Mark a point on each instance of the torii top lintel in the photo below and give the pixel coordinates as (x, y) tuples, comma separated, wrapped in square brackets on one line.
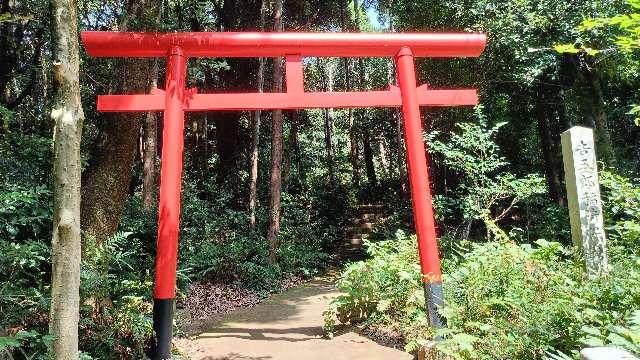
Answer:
[(272, 44), (293, 46)]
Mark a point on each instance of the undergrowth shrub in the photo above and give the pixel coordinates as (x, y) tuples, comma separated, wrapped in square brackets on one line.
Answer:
[(217, 242), (385, 289), (115, 293), (503, 300), (116, 282), (509, 301), (621, 202)]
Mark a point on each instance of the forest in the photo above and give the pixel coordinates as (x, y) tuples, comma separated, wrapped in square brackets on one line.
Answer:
[(270, 198)]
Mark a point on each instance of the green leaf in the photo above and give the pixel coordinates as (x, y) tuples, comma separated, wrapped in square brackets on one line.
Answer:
[(465, 341)]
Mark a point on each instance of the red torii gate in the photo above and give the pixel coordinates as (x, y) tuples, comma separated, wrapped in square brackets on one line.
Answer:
[(176, 99)]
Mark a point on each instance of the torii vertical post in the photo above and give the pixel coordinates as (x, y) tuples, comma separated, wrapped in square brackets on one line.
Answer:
[(175, 100), (164, 292), (420, 189)]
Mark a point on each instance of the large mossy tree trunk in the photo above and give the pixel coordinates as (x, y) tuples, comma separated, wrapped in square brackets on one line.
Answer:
[(106, 180), (276, 149), (68, 117)]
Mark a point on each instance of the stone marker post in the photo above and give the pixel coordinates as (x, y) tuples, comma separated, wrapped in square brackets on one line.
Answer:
[(606, 353), (583, 194)]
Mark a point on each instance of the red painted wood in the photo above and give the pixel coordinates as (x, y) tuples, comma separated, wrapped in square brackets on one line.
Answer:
[(260, 44), (418, 169), (287, 101), (294, 74), (170, 176)]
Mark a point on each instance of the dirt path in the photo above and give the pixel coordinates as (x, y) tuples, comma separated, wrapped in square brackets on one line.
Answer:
[(286, 326)]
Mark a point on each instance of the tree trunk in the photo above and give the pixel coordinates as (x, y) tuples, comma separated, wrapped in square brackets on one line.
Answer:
[(255, 132), (354, 155), (276, 148), (68, 117), (227, 123), (11, 36), (551, 165), (227, 132), (599, 114), (466, 230), (368, 159), (402, 171), (353, 140), (368, 152), (150, 131), (397, 118), (150, 150), (384, 158), (326, 76), (593, 101), (107, 179), (291, 155)]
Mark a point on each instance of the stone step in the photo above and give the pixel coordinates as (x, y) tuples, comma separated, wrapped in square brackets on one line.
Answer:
[(370, 216), (359, 230), (357, 235), (361, 223), (375, 209), (369, 206), (354, 241), (367, 218)]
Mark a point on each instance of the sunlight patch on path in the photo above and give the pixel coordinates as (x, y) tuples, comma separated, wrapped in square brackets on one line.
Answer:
[(286, 326)]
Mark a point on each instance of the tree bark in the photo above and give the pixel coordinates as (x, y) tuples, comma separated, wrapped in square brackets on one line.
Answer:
[(397, 118), (255, 132), (227, 123), (368, 159), (598, 111), (11, 36), (593, 101), (551, 165), (291, 156), (368, 152), (149, 151), (353, 140), (150, 148), (276, 148), (402, 171), (326, 75), (227, 133), (68, 117), (384, 158), (107, 179)]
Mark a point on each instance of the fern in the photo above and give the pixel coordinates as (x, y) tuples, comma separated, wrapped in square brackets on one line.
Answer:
[(627, 338)]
